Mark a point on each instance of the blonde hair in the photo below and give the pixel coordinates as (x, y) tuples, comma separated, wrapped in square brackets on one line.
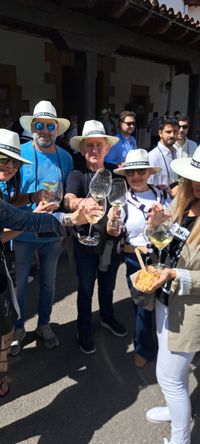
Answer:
[(185, 197)]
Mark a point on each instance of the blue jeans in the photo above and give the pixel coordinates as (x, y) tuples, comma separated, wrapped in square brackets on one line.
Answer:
[(49, 253), (87, 270), (143, 341)]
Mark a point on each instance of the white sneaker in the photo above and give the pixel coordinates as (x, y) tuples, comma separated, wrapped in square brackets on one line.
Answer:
[(19, 335), (158, 414)]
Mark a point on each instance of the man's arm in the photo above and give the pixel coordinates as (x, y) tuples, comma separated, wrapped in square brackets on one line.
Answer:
[(25, 199), (72, 202)]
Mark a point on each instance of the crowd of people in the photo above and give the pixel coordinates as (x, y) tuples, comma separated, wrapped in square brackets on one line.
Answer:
[(168, 176)]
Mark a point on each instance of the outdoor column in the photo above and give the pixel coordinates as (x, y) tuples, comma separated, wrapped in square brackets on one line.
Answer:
[(85, 84)]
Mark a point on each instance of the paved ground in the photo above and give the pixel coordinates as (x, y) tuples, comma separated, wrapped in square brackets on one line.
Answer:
[(64, 397)]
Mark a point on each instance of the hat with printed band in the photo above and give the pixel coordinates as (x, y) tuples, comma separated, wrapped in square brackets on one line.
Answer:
[(188, 167), (136, 160), (10, 145), (45, 110), (92, 128)]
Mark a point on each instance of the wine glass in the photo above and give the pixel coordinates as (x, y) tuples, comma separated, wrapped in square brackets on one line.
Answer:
[(52, 184), (100, 184), (117, 197), (160, 235), (93, 217)]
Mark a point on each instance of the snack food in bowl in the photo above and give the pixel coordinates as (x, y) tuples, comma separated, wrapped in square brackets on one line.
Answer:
[(145, 279)]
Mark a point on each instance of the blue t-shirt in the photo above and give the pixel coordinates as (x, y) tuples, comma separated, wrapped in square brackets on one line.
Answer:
[(118, 152), (49, 167)]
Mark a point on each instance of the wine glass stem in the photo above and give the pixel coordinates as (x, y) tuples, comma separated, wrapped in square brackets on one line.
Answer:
[(90, 231), (159, 257)]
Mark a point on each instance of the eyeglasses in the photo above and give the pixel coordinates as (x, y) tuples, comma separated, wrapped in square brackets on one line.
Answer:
[(183, 126), (141, 172), (39, 126), (5, 160), (132, 123)]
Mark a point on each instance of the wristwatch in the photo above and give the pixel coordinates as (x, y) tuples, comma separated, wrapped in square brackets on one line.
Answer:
[(68, 221)]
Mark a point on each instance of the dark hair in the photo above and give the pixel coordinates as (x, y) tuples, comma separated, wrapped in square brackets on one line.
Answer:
[(167, 120), (13, 186), (184, 118), (125, 114), (155, 114)]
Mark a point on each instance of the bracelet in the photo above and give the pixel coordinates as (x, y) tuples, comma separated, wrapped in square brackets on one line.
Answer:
[(30, 198), (68, 222)]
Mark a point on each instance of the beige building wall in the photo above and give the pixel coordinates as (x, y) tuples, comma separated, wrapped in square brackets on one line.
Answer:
[(24, 56), (133, 73)]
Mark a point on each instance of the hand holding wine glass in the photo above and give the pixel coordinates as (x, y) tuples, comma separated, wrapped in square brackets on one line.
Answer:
[(52, 186), (94, 211), (159, 230), (117, 199)]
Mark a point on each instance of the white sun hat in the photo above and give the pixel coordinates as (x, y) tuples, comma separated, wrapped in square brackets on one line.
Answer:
[(45, 110), (136, 160), (10, 145), (188, 167), (92, 128)]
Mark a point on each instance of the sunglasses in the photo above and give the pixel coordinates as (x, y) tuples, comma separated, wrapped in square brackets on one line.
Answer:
[(5, 160), (141, 172), (39, 126), (129, 123), (183, 126)]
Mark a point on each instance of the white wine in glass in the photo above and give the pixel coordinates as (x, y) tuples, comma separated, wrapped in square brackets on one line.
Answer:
[(160, 237), (117, 197), (93, 218), (100, 184)]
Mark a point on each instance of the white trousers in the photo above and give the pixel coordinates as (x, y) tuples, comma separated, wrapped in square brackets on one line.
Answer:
[(172, 372)]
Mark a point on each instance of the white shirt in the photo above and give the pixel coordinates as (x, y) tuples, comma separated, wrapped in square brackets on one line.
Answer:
[(161, 156), (136, 218), (185, 150)]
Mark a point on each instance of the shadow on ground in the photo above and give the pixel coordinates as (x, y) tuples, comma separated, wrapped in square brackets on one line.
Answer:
[(103, 385)]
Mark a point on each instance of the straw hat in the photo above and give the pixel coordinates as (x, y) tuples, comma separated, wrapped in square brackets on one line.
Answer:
[(188, 167), (45, 110), (10, 145), (136, 160), (92, 128)]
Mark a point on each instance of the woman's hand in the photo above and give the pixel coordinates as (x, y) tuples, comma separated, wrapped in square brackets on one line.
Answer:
[(167, 274), (156, 215), (114, 222)]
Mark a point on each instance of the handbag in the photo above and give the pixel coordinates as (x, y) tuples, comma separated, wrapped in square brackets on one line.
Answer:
[(8, 314), (8, 306)]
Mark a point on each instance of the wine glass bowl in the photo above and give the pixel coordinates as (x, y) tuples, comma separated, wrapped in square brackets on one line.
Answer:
[(100, 184), (52, 192), (117, 197), (93, 217), (160, 236)]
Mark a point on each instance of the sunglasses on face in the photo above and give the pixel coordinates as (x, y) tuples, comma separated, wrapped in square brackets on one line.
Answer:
[(5, 160), (183, 127), (39, 126), (132, 123), (141, 172)]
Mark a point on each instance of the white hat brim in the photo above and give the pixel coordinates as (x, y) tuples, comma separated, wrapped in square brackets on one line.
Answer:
[(122, 171), (63, 124), (184, 169), (14, 156), (76, 140)]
